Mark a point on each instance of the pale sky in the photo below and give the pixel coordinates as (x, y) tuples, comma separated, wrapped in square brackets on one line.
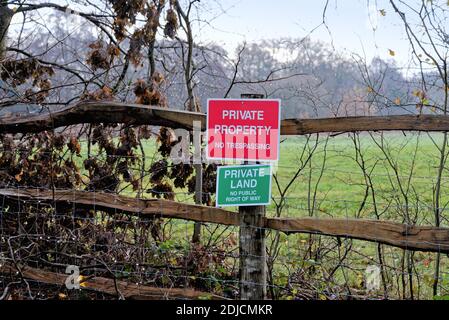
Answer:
[(350, 23)]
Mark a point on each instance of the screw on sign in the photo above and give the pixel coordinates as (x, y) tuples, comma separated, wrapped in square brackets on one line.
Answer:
[(243, 129)]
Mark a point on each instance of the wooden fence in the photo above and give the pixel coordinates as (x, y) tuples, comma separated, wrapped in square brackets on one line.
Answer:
[(395, 234), (410, 237), (133, 114)]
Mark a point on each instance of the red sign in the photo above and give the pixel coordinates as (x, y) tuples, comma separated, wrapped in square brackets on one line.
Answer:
[(243, 129)]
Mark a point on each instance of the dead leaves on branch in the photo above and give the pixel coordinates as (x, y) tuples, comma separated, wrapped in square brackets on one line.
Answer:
[(127, 13), (209, 183), (102, 55), (120, 159), (74, 146), (36, 161), (150, 93), (171, 25), (19, 72), (165, 176), (127, 10), (103, 94)]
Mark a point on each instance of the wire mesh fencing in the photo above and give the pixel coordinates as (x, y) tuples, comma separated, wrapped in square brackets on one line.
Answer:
[(74, 224)]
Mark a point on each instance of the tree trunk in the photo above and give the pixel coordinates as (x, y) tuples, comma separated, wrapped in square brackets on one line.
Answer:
[(5, 19)]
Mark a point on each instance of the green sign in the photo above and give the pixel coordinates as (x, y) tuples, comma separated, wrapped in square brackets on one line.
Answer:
[(247, 185)]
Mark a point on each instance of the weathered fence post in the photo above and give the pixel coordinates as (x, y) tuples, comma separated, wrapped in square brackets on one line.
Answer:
[(198, 165), (198, 200), (253, 264), (252, 250)]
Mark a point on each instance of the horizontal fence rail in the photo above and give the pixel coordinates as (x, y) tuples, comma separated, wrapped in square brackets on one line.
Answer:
[(134, 114), (411, 237), (408, 237), (368, 123), (114, 287), (99, 112)]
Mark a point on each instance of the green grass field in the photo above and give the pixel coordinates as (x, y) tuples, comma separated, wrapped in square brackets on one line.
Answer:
[(335, 181), (332, 184), (338, 183)]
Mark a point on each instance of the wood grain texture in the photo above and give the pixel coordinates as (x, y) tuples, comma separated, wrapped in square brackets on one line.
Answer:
[(110, 286), (99, 112), (253, 253), (134, 114), (112, 203), (375, 123), (420, 238)]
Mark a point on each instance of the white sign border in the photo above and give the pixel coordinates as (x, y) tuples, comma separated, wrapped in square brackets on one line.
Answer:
[(242, 159), (243, 204)]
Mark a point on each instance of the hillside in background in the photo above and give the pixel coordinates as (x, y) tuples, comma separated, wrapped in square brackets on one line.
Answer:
[(310, 78)]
